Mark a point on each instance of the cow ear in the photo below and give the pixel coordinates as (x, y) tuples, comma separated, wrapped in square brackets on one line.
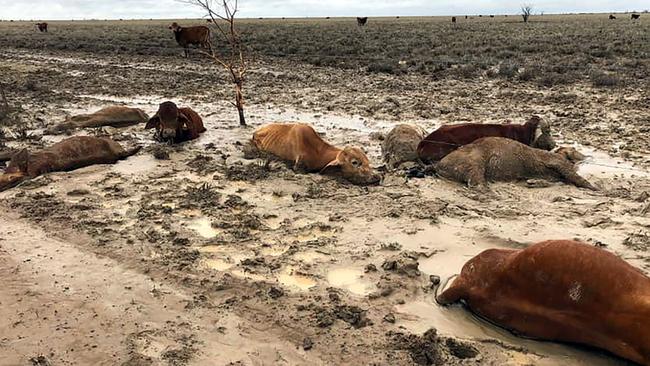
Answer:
[(21, 160), (152, 123), (333, 166)]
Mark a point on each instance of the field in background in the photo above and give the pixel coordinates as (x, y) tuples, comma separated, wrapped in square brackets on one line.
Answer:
[(550, 50)]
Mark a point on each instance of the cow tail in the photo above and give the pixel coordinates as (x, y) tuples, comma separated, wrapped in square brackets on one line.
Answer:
[(437, 287)]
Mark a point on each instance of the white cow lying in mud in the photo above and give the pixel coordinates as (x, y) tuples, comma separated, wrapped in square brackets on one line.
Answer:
[(113, 116), (300, 144), (502, 159)]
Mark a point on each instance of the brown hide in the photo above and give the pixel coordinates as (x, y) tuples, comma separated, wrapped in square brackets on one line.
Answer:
[(502, 159), (176, 124), (73, 153), (300, 144), (186, 36), (448, 138), (560, 291), (113, 116)]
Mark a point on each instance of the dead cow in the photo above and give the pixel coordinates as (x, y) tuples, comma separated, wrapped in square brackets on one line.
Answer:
[(502, 159), (70, 154), (176, 124), (186, 36), (300, 144), (439, 143), (113, 116), (42, 27), (563, 291), (400, 145)]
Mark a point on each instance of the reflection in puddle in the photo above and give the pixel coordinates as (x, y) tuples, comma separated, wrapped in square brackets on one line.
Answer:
[(135, 165), (290, 279), (349, 279), (203, 227)]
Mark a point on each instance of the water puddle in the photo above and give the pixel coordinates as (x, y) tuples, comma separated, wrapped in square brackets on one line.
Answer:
[(248, 275), (137, 164), (419, 316), (309, 256), (350, 279), (273, 250), (290, 278), (218, 264), (203, 226), (602, 165)]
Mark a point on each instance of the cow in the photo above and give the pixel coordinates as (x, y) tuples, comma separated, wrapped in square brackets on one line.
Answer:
[(453, 20), (113, 116), (560, 290), (503, 159), (186, 36), (176, 124), (69, 154), (635, 16), (300, 144), (362, 21), (400, 145), (439, 143), (612, 17), (42, 27)]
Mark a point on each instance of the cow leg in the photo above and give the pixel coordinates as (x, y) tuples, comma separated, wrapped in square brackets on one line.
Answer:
[(186, 52), (568, 174), (297, 165)]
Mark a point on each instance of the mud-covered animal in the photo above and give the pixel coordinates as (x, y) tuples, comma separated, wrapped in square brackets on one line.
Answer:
[(502, 159), (176, 124), (560, 290), (571, 154), (300, 144), (535, 132), (41, 27), (185, 36), (400, 145), (362, 21), (69, 154), (113, 116)]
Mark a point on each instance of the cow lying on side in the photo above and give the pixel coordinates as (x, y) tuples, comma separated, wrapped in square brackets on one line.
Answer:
[(400, 145), (502, 159), (439, 143), (176, 124), (563, 291), (300, 144), (113, 116), (186, 36), (70, 154)]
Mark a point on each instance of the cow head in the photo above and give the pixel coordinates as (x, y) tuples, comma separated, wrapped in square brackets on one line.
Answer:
[(571, 154), (542, 138), (16, 172), (175, 27), (168, 121), (352, 164)]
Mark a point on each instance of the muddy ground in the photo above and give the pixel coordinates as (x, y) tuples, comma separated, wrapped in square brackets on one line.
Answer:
[(193, 255)]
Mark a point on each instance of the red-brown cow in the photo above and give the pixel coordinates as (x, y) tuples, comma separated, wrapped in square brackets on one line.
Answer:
[(41, 27), (186, 36), (70, 154), (176, 124), (299, 143), (563, 291), (439, 143)]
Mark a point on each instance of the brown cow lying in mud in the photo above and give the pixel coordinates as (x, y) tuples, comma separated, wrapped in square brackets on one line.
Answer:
[(176, 124), (69, 154), (113, 116), (439, 143), (502, 159), (300, 144), (563, 291), (400, 145)]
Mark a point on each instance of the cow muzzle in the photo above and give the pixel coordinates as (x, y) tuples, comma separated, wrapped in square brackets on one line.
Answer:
[(167, 133)]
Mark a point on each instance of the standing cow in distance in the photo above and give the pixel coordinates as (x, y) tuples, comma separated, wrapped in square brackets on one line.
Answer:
[(362, 21), (612, 17), (635, 16), (42, 27), (186, 36), (453, 20)]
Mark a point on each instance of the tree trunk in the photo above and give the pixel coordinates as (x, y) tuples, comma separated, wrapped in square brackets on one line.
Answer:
[(239, 102)]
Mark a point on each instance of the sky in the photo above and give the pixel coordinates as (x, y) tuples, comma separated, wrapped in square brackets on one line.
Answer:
[(166, 9)]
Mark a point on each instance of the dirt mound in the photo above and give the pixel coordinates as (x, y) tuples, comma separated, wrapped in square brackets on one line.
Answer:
[(430, 349)]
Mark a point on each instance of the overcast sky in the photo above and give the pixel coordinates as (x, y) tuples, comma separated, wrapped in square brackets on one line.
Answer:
[(89, 9)]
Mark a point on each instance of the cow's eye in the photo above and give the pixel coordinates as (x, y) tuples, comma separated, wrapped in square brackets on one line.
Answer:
[(356, 163)]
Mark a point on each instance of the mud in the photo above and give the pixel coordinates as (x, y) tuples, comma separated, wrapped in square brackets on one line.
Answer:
[(192, 254)]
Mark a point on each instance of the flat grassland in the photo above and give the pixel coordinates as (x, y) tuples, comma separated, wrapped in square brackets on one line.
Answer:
[(209, 258)]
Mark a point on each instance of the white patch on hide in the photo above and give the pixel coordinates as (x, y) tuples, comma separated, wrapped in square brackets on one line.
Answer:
[(575, 292)]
